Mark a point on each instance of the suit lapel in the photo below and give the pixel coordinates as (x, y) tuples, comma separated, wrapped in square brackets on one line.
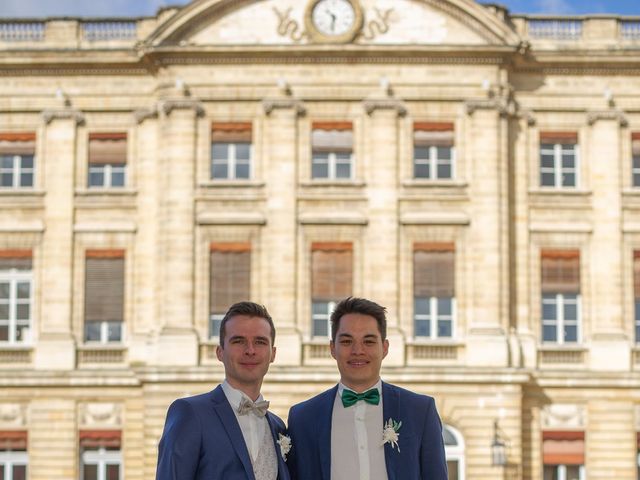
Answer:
[(390, 409), (231, 426), (282, 467), (324, 431)]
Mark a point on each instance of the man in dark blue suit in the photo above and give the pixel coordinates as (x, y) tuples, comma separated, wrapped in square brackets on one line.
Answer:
[(364, 428), (228, 433)]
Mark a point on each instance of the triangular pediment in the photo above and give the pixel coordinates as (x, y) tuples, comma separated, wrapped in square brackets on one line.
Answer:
[(287, 22)]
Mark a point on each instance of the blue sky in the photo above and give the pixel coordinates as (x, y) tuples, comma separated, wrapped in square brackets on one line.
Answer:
[(103, 8)]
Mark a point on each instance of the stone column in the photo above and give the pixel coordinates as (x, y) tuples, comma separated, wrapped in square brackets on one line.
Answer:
[(382, 236), (279, 237), (609, 344), (55, 347), (178, 342), (488, 236)]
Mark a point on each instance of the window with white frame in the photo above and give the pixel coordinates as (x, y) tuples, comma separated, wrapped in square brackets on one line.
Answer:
[(229, 280), (332, 150), (16, 297), (14, 458), (433, 151), (17, 160), (107, 160), (434, 302), (563, 455), (635, 159), (559, 160), (231, 151), (331, 281), (104, 296), (560, 294), (454, 451), (100, 456)]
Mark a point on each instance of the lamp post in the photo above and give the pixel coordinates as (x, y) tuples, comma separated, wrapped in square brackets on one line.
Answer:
[(498, 448)]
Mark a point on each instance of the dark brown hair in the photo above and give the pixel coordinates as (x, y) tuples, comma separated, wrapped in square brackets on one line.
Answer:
[(248, 309), (363, 307)]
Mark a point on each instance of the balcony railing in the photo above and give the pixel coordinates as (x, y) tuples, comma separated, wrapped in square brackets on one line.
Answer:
[(22, 31), (104, 31), (630, 30), (555, 29)]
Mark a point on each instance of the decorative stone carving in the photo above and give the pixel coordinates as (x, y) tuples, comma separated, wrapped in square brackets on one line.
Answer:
[(99, 414), (563, 416), (288, 27), (168, 106), (13, 415), (144, 114), (593, 117), (269, 105), (384, 104), (377, 26), (49, 115)]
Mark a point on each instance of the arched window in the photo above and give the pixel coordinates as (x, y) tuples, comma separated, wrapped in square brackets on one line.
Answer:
[(454, 449)]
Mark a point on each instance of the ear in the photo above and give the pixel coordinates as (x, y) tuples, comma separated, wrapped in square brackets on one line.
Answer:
[(219, 352), (332, 347), (273, 354), (385, 347)]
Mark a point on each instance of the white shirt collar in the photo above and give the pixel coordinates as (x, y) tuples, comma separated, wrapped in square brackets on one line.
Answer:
[(235, 396), (342, 386)]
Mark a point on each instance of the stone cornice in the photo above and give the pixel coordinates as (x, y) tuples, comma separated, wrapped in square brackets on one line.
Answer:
[(372, 105), (49, 115), (502, 106), (144, 114), (617, 115), (270, 104), (167, 106)]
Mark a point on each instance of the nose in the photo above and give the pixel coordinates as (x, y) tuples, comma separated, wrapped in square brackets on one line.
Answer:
[(358, 348), (250, 350)]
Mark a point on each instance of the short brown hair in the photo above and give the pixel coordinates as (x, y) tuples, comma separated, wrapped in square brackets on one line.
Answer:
[(248, 309), (363, 307)]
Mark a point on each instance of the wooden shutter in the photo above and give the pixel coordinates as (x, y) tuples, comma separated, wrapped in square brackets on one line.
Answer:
[(332, 137), (231, 132), (427, 134), (331, 271), (100, 438), (563, 448), (433, 270), (568, 138), (635, 143), (560, 271), (104, 285), (108, 148), (229, 275), (13, 440), (19, 259), (17, 143)]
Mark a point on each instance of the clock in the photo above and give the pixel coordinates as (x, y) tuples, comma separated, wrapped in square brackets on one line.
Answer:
[(333, 21)]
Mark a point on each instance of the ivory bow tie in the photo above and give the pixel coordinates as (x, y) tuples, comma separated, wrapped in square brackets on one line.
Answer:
[(258, 408)]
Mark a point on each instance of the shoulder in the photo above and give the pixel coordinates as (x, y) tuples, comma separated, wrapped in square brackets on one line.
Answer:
[(191, 405), (314, 403)]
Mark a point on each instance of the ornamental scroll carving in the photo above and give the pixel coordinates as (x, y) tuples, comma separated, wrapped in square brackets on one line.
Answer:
[(563, 417), (99, 414), (13, 415)]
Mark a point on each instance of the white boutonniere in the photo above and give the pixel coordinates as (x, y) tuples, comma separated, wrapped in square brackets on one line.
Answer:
[(390, 433), (285, 445)]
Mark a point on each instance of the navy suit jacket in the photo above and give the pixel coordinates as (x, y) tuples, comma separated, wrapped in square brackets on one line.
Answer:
[(202, 440), (421, 455)]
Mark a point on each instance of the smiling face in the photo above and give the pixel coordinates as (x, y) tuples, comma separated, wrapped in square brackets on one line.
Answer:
[(359, 349), (246, 353)]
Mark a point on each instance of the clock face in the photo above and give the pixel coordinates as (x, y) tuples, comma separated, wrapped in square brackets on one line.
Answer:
[(333, 17)]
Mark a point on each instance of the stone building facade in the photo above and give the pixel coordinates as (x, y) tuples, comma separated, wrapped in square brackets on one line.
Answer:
[(476, 172)]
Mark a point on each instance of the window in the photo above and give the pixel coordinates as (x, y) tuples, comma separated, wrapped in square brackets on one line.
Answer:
[(434, 302), (560, 287), (100, 455), (559, 159), (13, 455), (231, 151), (17, 160), (454, 451), (331, 281), (563, 455), (636, 293), (16, 292), (433, 150), (107, 160), (635, 158), (229, 280), (332, 150), (104, 296)]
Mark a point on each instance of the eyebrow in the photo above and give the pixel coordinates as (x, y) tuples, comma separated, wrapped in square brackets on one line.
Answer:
[(241, 337), (348, 335)]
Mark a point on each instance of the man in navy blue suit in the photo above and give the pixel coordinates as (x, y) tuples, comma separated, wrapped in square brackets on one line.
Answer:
[(364, 428), (228, 433)]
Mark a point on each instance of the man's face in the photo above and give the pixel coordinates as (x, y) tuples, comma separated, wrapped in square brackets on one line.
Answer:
[(247, 352), (359, 349)]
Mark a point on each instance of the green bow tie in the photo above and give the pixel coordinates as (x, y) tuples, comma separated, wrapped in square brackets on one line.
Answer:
[(350, 398)]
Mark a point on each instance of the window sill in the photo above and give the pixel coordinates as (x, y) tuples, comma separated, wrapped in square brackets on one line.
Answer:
[(99, 191), (433, 351), (551, 191), (435, 183), (232, 184), (21, 192), (321, 183), (563, 356), (15, 353), (91, 353)]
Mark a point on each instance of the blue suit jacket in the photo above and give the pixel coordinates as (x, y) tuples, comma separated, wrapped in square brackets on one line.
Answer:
[(421, 455), (202, 440)]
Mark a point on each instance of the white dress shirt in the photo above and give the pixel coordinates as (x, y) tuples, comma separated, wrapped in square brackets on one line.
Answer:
[(357, 452), (253, 427)]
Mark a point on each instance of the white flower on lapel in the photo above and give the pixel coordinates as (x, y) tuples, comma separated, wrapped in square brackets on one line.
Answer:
[(285, 445), (390, 433)]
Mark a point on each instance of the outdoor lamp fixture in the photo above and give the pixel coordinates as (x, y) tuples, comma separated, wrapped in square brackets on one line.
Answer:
[(498, 448)]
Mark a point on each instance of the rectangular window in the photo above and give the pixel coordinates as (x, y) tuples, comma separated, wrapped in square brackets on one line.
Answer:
[(107, 160), (332, 150), (229, 280), (16, 293), (635, 158), (636, 293), (560, 292), (100, 455), (434, 301), (433, 150), (17, 160), (563, 455), (104, 296), (231, 151), (331, 281), (13, 455), (559, 159)]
